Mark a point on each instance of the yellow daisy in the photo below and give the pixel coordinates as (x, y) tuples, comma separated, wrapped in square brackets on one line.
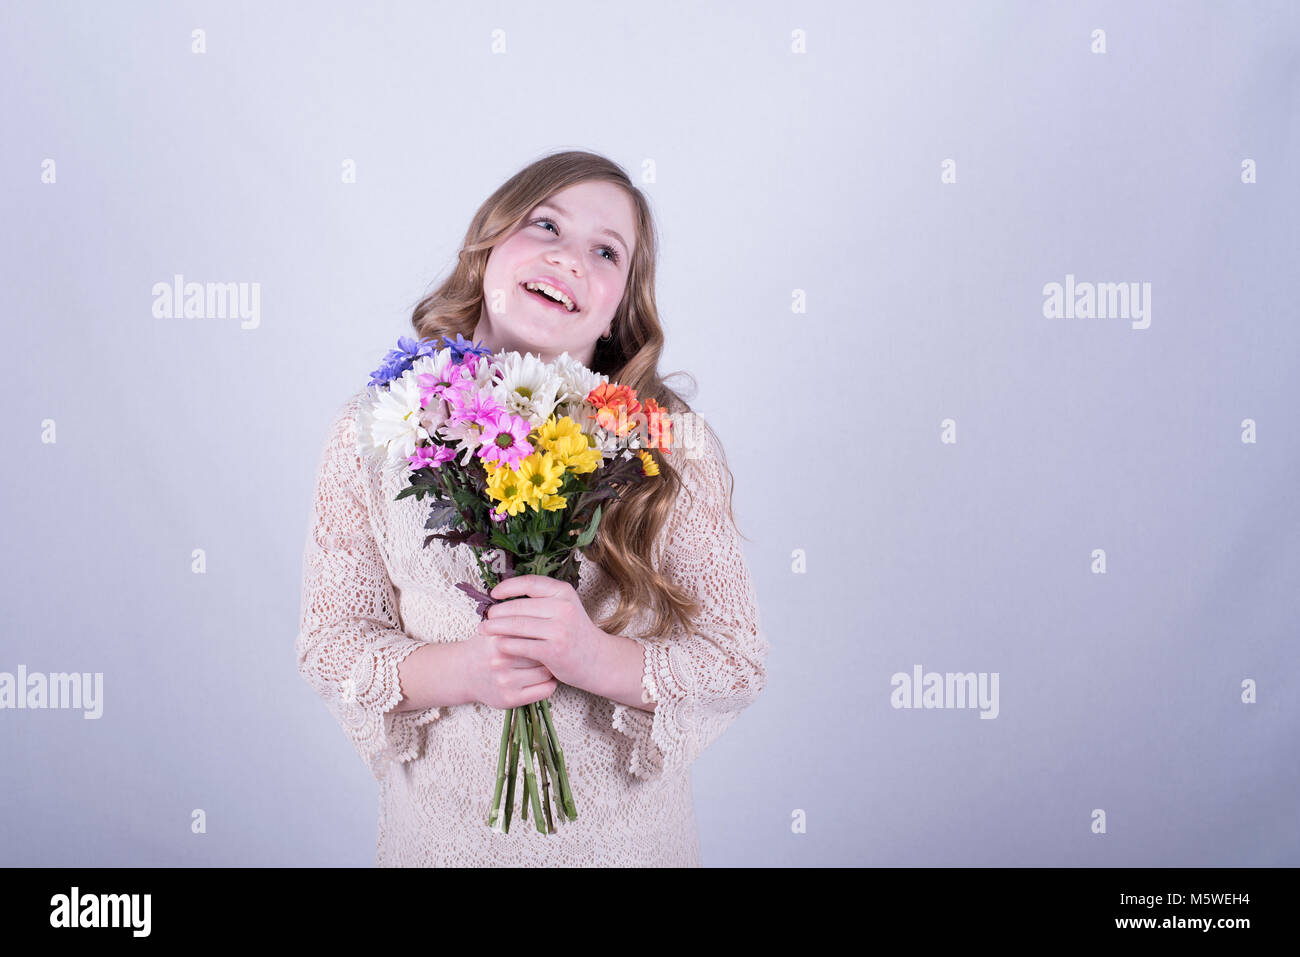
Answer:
[(648, 465), (541, 474), (505, 486), (554, 429), (576, 455)]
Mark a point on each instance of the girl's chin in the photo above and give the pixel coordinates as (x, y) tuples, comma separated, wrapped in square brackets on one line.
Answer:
[(543, 328), (535, 339)]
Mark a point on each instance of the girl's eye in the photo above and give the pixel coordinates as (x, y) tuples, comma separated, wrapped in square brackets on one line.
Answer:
[(613, 253)]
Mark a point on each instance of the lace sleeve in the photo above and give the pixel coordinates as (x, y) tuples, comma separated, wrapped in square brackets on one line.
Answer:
[(350, 640), (702, 680)]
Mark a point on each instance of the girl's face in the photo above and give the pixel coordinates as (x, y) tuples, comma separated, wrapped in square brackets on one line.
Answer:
[(579, 242)]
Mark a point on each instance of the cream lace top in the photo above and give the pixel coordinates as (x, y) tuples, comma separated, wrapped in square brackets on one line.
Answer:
[(372, 594)]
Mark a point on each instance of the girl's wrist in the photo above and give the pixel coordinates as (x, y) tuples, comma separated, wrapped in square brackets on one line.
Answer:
[(432, 677), (620, 667)]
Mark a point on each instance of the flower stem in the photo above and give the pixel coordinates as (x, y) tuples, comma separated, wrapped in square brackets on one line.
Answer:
[(541, 748), (530, 775), (501, 770), (566, 794), (548, 758), (514, 766)]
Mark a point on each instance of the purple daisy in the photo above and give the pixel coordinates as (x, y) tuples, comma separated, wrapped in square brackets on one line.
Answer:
[(505, 440), (430, 456), (467, 403)]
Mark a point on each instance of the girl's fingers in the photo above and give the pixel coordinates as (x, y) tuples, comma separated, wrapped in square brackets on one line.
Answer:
[(525, 648), (515, 625), (518, 661), (534, 676), (548, 686), (526, 607)]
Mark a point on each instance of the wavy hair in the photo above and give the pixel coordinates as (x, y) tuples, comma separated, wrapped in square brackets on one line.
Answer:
[(630, 527)]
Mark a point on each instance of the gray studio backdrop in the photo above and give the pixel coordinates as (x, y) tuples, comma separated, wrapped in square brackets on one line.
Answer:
[(863, 211)]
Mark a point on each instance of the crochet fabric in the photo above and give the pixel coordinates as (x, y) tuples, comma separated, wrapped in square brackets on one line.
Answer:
[(372, 594)]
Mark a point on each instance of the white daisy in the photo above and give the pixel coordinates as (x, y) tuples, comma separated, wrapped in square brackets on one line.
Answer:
[(440, 367), (436, 365), (486, 372), (575, 378), (528, 387), (388, 422), (609, 443), (466, 436)]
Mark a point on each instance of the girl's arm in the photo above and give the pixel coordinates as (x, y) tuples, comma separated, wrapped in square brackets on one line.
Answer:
[(622, 667), (431, 677), (700, 679), (350, 647)]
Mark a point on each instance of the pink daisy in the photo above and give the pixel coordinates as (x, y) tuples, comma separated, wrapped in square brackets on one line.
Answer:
[(467, 403), (427, 456), (431, 386), (505, 439)]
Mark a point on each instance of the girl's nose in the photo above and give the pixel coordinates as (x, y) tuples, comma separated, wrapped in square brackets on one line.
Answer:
[(567, 258)]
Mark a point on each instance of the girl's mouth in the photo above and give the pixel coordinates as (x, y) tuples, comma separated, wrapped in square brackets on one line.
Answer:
[(547, 300)]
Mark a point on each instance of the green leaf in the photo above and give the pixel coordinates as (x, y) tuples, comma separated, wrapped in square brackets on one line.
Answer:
[(466, 500), (589, 534), (592, 496), (440, 515)]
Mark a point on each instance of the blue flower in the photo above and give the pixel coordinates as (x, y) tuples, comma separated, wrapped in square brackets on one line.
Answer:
[(463, 347), (398, 360)]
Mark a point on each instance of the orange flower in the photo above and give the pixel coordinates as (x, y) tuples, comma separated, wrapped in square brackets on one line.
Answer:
[(615, 405), (659, 426)]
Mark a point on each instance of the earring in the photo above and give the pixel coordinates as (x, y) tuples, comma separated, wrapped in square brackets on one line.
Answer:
[(607, 336)]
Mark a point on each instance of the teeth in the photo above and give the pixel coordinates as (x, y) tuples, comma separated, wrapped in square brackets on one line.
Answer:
[(552, 293)]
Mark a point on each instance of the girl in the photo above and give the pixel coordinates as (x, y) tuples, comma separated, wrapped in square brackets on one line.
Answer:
[(645, 663)]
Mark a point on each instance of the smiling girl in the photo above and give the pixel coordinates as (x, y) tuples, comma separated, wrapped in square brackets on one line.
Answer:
[(646, 663)]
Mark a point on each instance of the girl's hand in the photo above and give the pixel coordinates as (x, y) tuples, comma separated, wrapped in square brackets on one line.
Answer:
[(550, 626), (499, 679)]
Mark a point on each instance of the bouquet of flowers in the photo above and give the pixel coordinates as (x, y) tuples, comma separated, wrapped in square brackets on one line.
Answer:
[(519, 456)]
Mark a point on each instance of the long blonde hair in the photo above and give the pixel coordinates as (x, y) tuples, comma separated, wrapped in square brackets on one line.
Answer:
[(628, 530)]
